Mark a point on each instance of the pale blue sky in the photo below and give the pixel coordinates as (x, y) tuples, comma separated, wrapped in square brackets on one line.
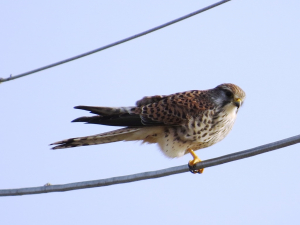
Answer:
[(254, 44)]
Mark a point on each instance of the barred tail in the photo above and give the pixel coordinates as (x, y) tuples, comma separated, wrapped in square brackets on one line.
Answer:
[(107, 137)]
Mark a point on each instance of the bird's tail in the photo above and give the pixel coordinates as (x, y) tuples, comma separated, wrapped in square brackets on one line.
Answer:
[(124, 134)]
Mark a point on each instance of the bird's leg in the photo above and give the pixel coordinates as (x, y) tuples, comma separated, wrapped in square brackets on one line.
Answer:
[(194, 161)]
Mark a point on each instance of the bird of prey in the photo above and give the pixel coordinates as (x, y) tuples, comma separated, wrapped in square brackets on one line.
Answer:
[(179, 123)]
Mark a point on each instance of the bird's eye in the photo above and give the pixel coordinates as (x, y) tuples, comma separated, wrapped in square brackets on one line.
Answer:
[(229, 94)]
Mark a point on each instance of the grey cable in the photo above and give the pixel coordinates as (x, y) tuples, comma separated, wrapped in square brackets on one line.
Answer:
[(112, 44), (152, 174)]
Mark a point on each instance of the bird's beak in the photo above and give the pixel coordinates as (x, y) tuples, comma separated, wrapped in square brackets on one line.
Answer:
[(237, 102)]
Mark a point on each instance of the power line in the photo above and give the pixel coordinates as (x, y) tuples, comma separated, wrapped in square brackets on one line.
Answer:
[(152, 174), (113, 44)]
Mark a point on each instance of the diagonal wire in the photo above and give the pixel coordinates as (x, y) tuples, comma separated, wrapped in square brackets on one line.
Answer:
[(113, 44), (152, 174)]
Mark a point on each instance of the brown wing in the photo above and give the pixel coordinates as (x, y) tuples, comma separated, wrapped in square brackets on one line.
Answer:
[(173, 109), (158, 110)]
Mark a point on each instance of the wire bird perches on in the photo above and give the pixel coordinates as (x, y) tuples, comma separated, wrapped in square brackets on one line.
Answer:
[(152, 174), (113, 44)]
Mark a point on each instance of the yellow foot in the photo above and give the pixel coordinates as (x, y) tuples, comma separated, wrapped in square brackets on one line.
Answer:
[(192, 163)]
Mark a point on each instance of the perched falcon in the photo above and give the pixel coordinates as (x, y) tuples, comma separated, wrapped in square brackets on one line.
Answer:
[(179, 123)]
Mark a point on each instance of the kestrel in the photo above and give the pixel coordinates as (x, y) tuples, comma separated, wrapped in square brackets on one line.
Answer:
[(179, 123)]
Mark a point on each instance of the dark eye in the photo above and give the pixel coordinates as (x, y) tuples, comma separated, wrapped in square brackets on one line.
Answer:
[(229, 94)]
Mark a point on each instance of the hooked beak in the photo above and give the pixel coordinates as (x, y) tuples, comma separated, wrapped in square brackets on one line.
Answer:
[(237, 102)]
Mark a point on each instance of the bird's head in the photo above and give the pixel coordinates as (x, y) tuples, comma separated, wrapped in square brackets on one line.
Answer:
[(229, 95)]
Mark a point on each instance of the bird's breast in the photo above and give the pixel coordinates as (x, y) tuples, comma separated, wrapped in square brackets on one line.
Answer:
[(209, 128)]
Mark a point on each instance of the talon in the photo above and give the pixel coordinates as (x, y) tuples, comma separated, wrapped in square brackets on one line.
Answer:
[(192, 163)]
